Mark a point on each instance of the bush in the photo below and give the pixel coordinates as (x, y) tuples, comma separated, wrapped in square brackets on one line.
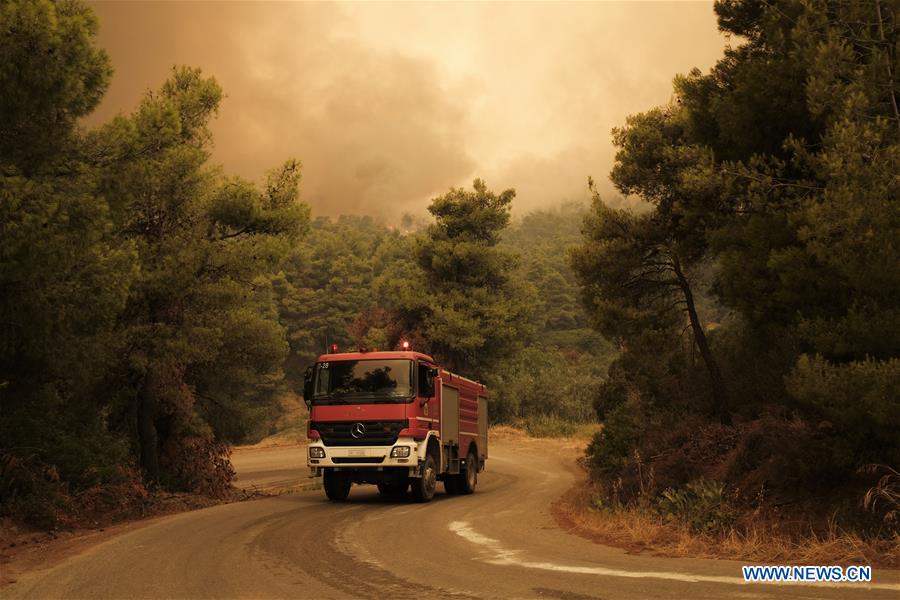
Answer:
[(860, 399), (32, 491), (609, 450), (549, 426), (642, 451), (197, 463), (884, 497), (701, 505)]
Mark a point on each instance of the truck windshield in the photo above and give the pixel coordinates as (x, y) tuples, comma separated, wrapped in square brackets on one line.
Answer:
[(347, 381)]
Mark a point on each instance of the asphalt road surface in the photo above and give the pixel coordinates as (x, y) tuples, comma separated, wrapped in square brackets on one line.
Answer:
[(501, 542)]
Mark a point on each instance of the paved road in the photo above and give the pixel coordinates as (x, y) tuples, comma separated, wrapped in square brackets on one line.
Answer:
[(501, 542), (273, 469)]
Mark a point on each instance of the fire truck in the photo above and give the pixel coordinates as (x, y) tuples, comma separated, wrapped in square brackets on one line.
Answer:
[(396, 420)]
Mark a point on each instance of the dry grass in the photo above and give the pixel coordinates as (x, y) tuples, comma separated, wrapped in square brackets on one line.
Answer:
[(763, 541), (506, 432), (583, 432)]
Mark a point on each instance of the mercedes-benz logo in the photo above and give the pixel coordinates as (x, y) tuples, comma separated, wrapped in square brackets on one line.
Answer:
[(358, 430)]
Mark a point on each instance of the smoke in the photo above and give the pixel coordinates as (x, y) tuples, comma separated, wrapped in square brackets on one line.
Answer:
[(388, 105)]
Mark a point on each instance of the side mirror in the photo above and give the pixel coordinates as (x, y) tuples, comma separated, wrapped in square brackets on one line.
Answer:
[(427, 391), (308, 387)]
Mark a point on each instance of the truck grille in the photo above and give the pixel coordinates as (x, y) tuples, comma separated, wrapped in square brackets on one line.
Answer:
[(359, 460), (377, 433)]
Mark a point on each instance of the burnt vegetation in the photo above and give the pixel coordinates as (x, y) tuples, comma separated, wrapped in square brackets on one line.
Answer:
[(734, 324)]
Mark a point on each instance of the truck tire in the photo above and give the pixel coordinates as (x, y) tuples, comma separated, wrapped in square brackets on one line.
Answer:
[(337, 485), (393, 490), (450, 485), (468, 479), (423, 487)]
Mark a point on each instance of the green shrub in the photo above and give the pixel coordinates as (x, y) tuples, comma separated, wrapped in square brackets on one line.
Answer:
[(860, 399), (549, 426), (701, 505), (612, 445)]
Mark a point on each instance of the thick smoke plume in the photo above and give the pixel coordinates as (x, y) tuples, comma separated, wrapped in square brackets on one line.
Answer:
[(387, 105)]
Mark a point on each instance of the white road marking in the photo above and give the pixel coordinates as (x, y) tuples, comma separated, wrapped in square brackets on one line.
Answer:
[(506, 557)]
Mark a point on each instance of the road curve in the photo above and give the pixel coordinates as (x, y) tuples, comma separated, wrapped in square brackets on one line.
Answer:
[(501, 542)]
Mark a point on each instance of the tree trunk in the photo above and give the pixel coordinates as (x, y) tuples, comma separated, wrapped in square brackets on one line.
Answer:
[(890, 69), (146, 426), (720, 395)]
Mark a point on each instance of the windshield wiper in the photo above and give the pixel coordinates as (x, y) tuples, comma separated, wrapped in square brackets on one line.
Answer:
[(328, 400), (390, 399), (373, 398), (342, 398)]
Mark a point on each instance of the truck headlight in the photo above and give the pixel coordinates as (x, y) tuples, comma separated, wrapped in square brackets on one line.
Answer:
[(316, 452), (400, 452)]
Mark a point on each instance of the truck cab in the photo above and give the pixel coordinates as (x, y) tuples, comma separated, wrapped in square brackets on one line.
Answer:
[(396, 420)]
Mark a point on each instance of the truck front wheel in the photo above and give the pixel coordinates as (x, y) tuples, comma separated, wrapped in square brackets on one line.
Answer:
[(423, 487), (337, 485)]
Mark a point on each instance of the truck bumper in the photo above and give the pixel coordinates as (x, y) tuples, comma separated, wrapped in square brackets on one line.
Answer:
[(376, 458)]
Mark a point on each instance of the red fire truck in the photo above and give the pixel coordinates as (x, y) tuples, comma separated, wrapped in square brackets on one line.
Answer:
[(396, 420)]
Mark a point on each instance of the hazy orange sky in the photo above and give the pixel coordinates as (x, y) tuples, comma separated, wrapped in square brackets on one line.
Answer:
[(389, 104)]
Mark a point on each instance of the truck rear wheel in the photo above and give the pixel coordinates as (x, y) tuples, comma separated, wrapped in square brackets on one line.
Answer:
[(466, 482), (337, 485), (423, 487), (450, 487)]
